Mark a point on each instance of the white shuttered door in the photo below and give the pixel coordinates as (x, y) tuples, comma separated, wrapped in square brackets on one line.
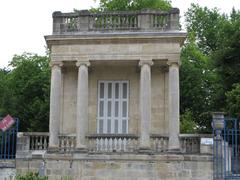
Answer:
[(112, 107)]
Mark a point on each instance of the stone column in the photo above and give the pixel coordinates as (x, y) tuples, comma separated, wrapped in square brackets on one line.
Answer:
[(145, 104), (82, 105), (55, 105), (173, 106)]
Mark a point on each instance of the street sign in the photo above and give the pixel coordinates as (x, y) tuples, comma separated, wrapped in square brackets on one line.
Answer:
[(6, 123), (207, 141)]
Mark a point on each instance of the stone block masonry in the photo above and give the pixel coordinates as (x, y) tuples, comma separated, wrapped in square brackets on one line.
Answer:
[(7, 170), (121, 166)]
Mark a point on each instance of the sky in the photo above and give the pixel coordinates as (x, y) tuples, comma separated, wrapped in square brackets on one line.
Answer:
[(24, 23)]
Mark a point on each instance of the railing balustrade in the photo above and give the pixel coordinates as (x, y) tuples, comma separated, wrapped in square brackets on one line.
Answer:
[(118, 21), (190, 143), (67, 143), (159, 143), (144, 20), (112, 143), (38, 140)]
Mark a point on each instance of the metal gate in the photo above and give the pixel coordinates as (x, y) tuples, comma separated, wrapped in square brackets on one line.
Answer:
[(8, 141), (226, 161)]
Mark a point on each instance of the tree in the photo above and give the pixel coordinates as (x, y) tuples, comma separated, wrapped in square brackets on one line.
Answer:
[(204, 24), (187, 124), (227, 56), (199, 81), (26, 91), (128, 5), (197, 85), (233, 101), (210, 63), (4, 102)]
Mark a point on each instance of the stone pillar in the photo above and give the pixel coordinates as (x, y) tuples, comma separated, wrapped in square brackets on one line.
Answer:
[(145, 104), (219, 147), (82, 105), (173, 107), (55, 105)]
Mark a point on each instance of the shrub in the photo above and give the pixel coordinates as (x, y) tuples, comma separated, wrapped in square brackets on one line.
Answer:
[(31, 176), (187, 124)]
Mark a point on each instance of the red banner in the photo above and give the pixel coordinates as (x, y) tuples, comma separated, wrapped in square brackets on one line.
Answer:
[(6, 123)]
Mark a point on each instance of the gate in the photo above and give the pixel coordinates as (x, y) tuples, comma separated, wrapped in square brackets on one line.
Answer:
[(226, 161), (8, 141)]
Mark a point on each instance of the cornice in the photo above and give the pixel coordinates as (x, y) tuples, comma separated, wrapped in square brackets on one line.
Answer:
[(116, 38)]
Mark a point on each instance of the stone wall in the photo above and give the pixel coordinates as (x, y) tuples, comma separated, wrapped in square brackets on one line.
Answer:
[(112, 71), (7, 170), (119, 167), (7, 173)]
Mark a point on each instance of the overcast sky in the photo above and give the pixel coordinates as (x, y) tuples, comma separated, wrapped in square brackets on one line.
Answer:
[(24, 23)]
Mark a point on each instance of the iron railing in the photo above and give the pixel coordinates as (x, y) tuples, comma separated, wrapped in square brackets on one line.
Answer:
[(8, 141), (226, 155)]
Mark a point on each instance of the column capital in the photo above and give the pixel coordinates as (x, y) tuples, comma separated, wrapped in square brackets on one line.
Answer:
[(84, 63), (147, 62), (173, 63), (56, 64)]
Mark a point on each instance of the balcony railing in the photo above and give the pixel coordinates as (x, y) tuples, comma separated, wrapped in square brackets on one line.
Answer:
[(159, 143), (67, 143), (144, 20), (110, 143)]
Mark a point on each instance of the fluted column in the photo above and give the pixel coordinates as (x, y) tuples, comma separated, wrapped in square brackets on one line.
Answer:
[(145, 104), (173, 108), (82, 104), (55, 104)]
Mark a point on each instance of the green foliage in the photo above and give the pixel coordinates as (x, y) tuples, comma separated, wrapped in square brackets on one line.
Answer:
[(30, 176), (204, 24), (128, 5), (210, 63), (197, 84), (227, 56), (187, 124), (26, 91), (233, 101)]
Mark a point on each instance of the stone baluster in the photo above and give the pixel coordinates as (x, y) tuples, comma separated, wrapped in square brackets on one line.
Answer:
[(173, 109), (40, 142), (60, 143), (55, 105), (71, 143), (82, 105), (145, 104), (66, 144), (45, 142), (114, 144), (31, 142)]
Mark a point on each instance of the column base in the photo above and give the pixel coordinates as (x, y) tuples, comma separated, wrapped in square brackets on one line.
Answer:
[(81, 149), (174, 150), (53, 149), (145, 150)]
